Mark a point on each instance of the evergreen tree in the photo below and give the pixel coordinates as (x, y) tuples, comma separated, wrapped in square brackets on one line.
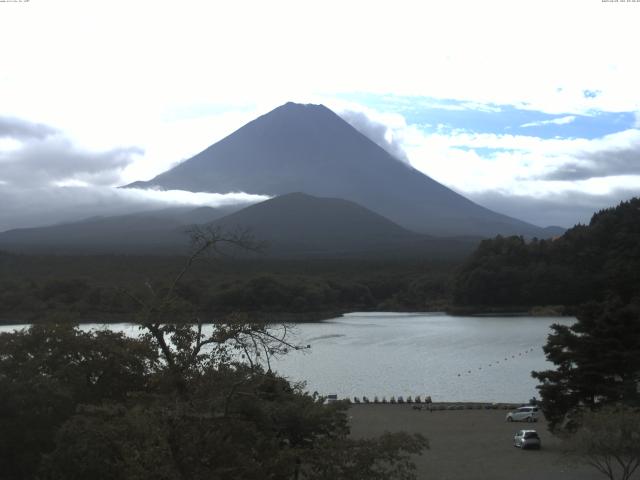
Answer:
[(597, 363)]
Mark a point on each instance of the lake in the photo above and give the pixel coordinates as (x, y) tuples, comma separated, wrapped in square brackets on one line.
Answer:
[(484, 359)]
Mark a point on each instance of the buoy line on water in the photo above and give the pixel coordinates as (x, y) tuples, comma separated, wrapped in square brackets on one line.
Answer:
[(496, 363)]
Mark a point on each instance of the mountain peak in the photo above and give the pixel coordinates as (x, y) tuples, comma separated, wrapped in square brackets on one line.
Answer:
[(308, 148), (302, 106), (292, 114)]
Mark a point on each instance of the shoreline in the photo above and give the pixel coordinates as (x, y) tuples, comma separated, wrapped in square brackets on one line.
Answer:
[(441, 405), (129, 317), (281, 317)]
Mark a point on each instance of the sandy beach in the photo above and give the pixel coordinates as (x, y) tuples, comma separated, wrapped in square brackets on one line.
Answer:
[(471, 444)]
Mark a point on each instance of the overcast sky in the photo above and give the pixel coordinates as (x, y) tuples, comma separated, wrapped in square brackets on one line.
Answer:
[(531, 108)]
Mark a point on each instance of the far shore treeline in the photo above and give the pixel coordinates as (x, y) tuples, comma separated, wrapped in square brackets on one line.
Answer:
[(504, 274), (588, 263), (45, 288)]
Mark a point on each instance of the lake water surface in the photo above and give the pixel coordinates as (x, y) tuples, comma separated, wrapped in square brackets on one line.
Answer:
[(486, 359), (449, 358)]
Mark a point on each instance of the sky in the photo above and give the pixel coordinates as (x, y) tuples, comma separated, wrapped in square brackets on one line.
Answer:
[(530, 108)]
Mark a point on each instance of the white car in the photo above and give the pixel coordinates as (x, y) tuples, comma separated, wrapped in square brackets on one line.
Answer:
[(526, 439), (523, 414)]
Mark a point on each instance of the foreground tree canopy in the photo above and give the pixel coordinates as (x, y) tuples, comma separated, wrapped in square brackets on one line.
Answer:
[(178, 402)]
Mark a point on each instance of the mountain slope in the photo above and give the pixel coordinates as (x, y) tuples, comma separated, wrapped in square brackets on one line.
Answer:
[(310, 149), (293, 225), (298, 224), (154, 232)]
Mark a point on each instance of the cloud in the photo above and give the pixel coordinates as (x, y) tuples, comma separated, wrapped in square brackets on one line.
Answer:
[(30, 207), (19, 129), (46, 179), (376, 131), (525, 176), (554, 121), (563, 209), (41, 156), (591, 93), (525, 164), (613, 155)]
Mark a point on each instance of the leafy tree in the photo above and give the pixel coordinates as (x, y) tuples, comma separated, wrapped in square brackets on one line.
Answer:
[(47, 372), (609, 441), (597, 362)]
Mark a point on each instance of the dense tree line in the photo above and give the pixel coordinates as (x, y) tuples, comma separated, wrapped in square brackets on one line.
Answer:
[(92, 289), (587, 263)]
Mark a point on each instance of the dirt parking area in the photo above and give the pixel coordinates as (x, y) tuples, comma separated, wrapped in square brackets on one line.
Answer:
[(471, 444)]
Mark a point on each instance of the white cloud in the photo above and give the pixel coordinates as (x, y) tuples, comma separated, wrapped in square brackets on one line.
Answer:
[(554, 121), (28, 207), (471, 163), (378, 130), (45, 178)]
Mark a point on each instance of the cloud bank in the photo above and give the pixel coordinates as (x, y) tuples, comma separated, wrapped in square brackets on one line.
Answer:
[(28, 207), (545, 181), (614, 155), (564, 209), (45, 179), (42, 156)]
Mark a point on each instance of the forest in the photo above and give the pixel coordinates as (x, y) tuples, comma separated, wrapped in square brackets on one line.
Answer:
[(588, 263), (42, 288)]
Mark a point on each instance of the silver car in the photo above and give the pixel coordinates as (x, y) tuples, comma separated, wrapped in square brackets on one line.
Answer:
[(526, 439), (523, 414)]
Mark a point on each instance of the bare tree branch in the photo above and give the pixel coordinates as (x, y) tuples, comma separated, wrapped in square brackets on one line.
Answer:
[(184, 346)]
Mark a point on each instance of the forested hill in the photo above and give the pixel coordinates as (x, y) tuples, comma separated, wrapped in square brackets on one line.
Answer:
[(588, 262)]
